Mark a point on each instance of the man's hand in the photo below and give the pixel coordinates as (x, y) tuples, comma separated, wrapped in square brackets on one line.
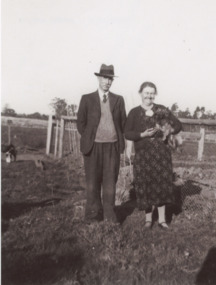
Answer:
[(128, 150)]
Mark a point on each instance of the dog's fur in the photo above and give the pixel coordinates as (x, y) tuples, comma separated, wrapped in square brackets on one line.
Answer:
[(174, 141)]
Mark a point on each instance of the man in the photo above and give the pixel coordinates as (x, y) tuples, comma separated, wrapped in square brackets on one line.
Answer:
[(100, 121)]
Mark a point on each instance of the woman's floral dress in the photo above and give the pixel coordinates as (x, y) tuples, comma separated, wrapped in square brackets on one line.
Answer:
[(153, 173)]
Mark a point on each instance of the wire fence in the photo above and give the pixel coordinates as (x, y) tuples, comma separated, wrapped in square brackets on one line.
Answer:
[(191, 194), (194, 182)]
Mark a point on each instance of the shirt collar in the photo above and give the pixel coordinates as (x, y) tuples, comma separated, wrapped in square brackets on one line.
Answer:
[(101, 93)]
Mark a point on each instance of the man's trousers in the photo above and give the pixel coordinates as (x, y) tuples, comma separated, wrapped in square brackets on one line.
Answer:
[(101, 169)]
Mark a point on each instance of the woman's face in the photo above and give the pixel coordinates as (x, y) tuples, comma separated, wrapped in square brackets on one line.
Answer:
[(148, 95)]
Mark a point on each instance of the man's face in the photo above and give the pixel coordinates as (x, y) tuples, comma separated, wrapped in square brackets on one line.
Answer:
[(105, 83)]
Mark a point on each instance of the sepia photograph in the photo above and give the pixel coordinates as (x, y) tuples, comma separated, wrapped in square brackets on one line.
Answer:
[(108, 142)]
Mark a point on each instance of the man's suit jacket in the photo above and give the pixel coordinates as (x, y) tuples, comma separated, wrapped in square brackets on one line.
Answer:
[(88, 119)]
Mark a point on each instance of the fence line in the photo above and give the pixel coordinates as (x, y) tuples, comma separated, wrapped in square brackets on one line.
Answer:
[(67, 123)]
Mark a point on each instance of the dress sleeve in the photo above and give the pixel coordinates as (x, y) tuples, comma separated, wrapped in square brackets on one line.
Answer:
[(130, 128)]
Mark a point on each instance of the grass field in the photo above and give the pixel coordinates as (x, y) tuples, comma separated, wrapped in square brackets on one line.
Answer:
[(45, 240), (25, 137)]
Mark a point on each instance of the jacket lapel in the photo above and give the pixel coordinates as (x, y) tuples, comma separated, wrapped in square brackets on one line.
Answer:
[(96, 101), (112, 100)]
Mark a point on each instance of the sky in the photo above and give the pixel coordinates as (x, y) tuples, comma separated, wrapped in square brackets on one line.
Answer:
[(51, 48)]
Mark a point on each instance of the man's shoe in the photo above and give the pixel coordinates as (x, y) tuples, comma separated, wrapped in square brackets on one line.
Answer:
[(148, 225), (90, 221)]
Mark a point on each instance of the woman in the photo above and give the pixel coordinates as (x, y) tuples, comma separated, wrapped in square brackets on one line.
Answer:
[(153, 172)]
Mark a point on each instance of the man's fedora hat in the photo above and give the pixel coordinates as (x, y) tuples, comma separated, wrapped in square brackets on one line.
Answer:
[(106, 70)]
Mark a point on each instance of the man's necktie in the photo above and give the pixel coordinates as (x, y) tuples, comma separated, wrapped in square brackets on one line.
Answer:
[(104, 98)]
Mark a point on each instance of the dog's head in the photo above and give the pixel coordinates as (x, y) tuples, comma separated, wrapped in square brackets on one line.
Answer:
[(10, 152), (165, 128), (8, 157)]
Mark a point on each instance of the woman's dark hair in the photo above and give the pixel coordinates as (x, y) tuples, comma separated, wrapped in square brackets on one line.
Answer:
[(147, 84)]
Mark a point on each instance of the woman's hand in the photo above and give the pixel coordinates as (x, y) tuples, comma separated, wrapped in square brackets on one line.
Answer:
[(149, 132)]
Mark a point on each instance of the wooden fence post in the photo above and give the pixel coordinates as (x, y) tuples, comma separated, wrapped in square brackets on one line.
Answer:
[(49, 135), (56, 138), (61, 138), (201, 144)]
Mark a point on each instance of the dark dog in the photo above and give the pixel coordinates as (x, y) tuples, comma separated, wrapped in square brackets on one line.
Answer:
[(10, 152), (165, 129), (207, 273)]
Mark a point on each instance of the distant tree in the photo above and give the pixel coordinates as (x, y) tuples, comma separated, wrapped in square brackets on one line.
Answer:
[(37, 115), (200, 113), (209, 115), (175, 107), (7, 111), (197, 113), (6, 106), (59, 106), (185, 114), (203, 114), (72, 110), (44, 117), (21, 115), (202, 109)]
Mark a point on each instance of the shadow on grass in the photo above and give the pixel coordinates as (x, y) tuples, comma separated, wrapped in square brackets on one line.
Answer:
[(26, 268), (189, 188), (11, 210), (181, 192), (127, 208)]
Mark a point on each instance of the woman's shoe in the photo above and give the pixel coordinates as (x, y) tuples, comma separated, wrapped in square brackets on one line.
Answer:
[(163, 225)]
